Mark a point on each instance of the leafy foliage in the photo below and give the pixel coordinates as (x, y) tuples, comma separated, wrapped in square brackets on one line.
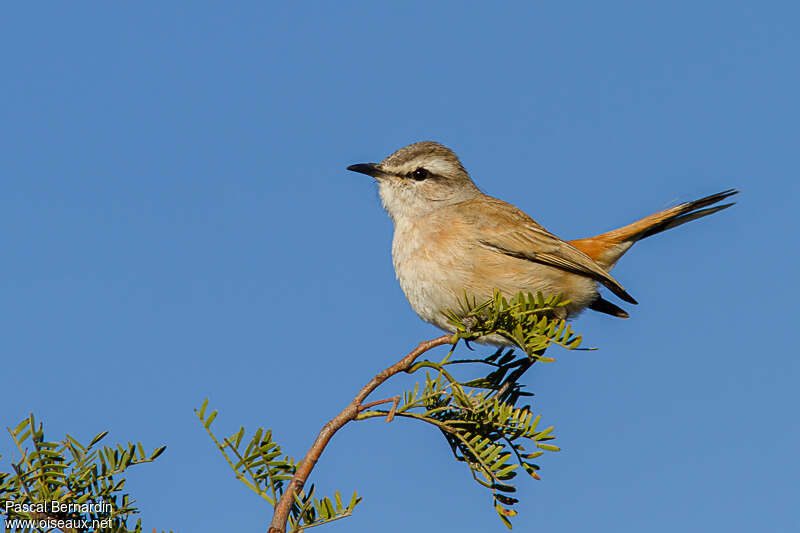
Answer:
[(479, 418), (529, 322), (480, 421), (83, 479), (260, 466)]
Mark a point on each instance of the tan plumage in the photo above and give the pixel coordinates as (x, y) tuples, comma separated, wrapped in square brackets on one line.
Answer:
[(450, 238)]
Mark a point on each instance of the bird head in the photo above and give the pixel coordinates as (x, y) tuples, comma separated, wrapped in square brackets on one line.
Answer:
[(418, 179)]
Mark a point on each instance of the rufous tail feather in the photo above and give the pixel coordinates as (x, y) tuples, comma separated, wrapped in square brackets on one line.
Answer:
[(607, 248)]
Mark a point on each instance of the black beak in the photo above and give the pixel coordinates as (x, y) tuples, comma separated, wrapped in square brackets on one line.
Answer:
[(370, 169)]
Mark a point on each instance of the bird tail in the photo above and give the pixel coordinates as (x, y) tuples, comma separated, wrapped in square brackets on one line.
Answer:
[(606, 249)]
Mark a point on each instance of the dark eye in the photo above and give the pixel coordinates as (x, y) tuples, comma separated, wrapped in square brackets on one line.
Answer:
[(420, 174)]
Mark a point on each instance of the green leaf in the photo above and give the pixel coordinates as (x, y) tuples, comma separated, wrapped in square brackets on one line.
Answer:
[(97, 438), (202, 412), (505, 472), (353, 501), (339, 506), (157, 452), (549, 447), (22, 425), (501, 514), (24, 436)]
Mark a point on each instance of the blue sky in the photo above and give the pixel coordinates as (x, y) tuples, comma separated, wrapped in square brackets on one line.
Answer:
[(176, 210)]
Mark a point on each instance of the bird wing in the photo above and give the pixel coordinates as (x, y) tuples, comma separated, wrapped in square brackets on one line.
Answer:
[(509, 231)]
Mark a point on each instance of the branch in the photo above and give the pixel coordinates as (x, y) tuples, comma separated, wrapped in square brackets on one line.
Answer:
[(441, 425), (349, 413)]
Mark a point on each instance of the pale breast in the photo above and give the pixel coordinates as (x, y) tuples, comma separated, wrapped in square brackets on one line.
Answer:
[(424, 271)]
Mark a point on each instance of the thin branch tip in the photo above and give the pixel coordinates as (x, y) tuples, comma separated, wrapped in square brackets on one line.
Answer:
[(348, 414)]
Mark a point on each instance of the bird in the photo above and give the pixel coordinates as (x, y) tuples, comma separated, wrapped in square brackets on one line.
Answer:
[(451, 240)]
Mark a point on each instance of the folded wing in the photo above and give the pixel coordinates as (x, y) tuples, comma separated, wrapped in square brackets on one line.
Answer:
[(515, 234)]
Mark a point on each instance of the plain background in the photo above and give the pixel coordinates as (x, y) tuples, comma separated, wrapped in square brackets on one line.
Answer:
[(177, 223)]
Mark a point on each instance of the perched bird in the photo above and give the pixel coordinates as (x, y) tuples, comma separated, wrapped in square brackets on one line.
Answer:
[(450, 238)]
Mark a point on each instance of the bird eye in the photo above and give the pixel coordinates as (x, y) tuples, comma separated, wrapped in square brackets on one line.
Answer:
[(420, 174)]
